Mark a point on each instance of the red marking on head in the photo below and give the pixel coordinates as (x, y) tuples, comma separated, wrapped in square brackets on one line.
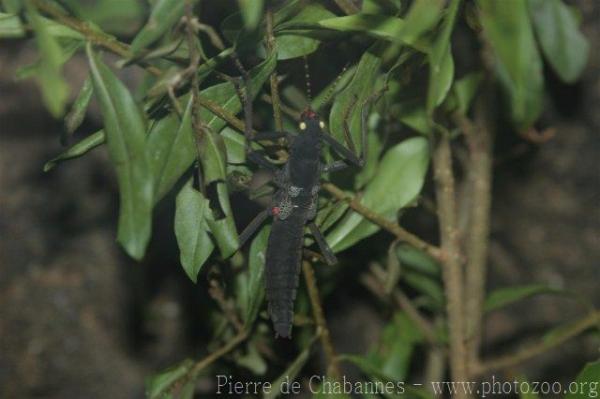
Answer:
[(275, 210), (309, 114)]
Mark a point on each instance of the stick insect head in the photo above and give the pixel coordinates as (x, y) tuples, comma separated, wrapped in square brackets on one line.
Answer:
[(310, 122)]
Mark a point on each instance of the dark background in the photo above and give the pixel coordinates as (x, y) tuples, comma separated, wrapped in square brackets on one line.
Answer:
[(78, 319)]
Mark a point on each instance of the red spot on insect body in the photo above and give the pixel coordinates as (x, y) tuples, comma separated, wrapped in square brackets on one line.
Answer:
[(309, 114), (275, 211)]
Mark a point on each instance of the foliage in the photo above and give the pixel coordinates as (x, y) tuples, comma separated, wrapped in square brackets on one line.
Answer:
[(184, 118)]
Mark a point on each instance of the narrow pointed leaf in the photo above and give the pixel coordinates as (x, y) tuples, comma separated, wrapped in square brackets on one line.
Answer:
[(565, 48), (251, 12), (191, 230), (78, 149), (77, 113), (502, 297), (169, 142), (507, 26), (126, 139), (353, 96), (441, 64), (256, 270), (164, 15)]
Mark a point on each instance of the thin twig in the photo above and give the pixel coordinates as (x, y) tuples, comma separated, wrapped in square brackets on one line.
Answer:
[(374, 281), (216, 292), (452, 270), (528, 352), (211, 358), (272, 47), (333, 367), (289, 111), (384, 223)]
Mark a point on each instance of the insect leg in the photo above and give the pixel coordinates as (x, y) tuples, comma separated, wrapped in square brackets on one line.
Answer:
[(347, 154), (253, 226), (335, 166), (323, 246)]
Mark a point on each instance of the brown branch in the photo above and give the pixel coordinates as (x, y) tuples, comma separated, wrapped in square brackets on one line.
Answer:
[(384, 223), (479, 141), (214, 356), (452, 270), (528, 352), (333, 367)]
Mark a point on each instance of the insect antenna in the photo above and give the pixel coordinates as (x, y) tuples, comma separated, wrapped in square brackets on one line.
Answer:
[(329, 95), (307, 82)]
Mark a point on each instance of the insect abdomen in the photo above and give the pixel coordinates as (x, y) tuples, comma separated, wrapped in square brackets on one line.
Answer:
[(284, 253)]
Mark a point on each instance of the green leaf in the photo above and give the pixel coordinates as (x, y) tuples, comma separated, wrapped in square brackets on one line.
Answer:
[(417, 260), (12, 6), (255, 288), (55, 91), (587, 382), (165, 14), (389, 7), (292, 40), (421, 17), (36, 69), (426, 285), (160, 384), (10, 26), (379, 26), (507, 26), (414, 115), (191, 230), (78, 149), (169, 142), (185, 154), (77, 113), (288, 376), (358, 90), (397, 183), (126, 139), (441, 64), (505, 296), (397, 346), (464, 90), (565, 48), (213, 154), (251, 12)]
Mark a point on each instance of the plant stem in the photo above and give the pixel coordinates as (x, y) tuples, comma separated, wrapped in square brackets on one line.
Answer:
[(212, 357), (272, 47), (528, 352), (452, 272), (479, 141), (333, 367), (384, 223)]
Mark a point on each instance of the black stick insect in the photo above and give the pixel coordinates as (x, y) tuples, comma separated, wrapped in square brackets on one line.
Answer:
[(294, 203)]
